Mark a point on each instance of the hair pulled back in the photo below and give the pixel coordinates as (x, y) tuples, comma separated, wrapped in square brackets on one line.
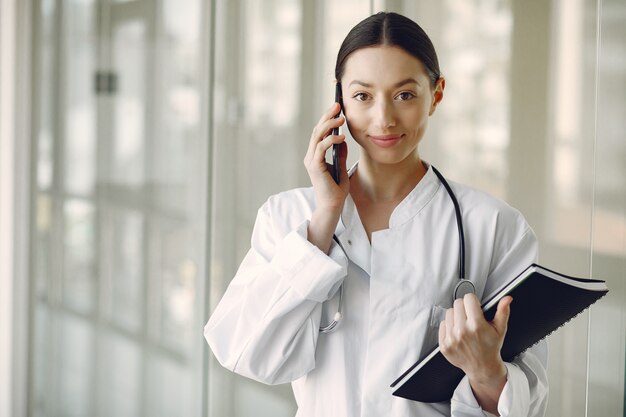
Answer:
[(392, 29)]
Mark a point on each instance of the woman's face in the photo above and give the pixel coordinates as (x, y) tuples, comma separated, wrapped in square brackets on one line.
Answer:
[(387, 101)]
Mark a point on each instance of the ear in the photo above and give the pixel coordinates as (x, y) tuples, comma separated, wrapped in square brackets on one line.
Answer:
[(437, 94)]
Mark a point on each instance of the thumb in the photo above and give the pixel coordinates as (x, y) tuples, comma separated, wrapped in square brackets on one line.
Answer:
[(501, 318)]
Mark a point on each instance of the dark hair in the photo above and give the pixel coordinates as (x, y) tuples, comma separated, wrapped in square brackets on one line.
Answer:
[(393, 29)]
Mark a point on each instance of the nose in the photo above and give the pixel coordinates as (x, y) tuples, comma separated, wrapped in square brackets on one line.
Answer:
[(385, 114)]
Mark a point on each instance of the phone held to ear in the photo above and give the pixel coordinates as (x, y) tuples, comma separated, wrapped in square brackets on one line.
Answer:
[(338, 99)]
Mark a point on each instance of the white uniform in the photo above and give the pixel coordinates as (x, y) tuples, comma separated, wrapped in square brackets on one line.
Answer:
[(396, 290)]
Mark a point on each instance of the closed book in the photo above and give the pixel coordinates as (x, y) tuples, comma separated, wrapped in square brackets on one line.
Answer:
[(543, 301)]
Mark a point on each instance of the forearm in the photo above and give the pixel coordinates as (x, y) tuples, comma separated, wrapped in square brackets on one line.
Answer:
[(488, 387), (322, 227)]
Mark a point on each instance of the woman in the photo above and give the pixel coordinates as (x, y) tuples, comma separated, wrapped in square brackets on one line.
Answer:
[(396, 255)]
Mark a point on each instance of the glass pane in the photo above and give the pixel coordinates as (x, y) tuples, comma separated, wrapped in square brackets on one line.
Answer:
[(129, 61), (272, 37), (145, 149), (607, 334), (79, 279), (44, 84), (43, 359), (44, 247), (569, 199), (175, 141), (120, 377), (76, 367), (79, 63), (122, 267), (170, 388), (268, 98), (175, 276), (573, 124)]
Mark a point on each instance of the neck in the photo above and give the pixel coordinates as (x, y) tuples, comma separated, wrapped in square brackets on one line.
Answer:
[(386, 183)]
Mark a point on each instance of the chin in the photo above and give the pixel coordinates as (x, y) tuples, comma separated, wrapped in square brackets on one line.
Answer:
[(389, 158)]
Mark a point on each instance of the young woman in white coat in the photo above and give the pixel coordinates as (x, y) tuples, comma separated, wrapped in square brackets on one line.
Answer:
[(396, 254)]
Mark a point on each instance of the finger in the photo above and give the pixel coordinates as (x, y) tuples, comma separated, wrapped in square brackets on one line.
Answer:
[(326, 127), (322, 130), (326, 123), (473, 309), (503, 312), (449, 323), (459, 314), (317, 137), (332, 111), (442, 334), (323, 146)]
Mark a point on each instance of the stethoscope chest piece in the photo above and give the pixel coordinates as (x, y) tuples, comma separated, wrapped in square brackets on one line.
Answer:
[(464, 286)]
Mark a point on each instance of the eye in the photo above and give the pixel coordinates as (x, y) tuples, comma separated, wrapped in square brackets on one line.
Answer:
[(360, 96), (405, 95)]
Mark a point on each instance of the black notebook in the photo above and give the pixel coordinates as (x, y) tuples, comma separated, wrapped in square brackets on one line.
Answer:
[(543, 300)]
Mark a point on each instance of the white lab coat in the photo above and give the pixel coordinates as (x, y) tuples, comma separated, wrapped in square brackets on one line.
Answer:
[(396, 290)]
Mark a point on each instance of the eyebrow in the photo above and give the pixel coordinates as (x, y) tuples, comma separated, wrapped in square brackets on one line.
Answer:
[(396, 85)]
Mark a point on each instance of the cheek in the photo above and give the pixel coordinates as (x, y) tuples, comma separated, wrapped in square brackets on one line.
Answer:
[(357, 121), (419, 118), (414, 117)]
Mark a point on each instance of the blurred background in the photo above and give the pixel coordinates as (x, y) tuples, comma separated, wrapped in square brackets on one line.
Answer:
[(139, 138)]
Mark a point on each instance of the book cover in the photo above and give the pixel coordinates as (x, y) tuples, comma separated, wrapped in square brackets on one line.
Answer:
[(543, 300)]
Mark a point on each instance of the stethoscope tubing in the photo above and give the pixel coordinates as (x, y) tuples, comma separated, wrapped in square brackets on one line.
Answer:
[(459, 221)]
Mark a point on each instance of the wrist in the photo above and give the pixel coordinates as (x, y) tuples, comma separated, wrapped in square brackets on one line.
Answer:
[(491, 376), (326, 217), (326, 208), (488, 386), (322, 227)]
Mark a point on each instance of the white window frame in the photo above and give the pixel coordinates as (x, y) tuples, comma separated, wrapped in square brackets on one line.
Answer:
[(15, 177)]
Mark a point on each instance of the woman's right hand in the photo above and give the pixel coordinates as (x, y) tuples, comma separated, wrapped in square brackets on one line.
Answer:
[(329, 196)]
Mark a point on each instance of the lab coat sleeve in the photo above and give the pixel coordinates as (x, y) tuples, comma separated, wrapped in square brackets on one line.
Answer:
[(525, 392), (526, 389), (267, 324)]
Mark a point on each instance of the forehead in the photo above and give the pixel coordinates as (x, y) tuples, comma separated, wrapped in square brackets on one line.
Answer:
[(381, 64)]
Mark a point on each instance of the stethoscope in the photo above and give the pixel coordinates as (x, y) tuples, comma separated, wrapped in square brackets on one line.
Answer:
[(463, 287)]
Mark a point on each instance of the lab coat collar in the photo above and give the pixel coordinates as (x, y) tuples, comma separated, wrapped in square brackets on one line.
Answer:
[(350, 230), (408, 208), (416, 200)]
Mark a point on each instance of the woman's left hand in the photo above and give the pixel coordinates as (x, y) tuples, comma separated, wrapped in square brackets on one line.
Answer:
[(471, 343)]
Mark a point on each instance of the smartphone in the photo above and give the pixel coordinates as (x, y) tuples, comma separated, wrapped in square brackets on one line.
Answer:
[(338, 99)]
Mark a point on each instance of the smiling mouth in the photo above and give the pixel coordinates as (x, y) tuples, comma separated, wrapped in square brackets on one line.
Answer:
[(386, 141)]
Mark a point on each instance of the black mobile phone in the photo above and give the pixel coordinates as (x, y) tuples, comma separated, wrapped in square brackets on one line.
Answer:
[(338, 99)]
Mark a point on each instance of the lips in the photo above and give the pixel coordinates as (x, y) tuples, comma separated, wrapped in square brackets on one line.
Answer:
[(385, 141)]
